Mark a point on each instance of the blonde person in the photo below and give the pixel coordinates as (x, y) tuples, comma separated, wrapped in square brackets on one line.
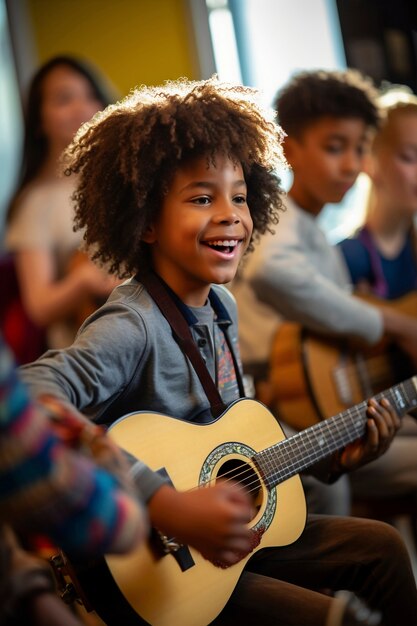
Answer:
[(381, 256)]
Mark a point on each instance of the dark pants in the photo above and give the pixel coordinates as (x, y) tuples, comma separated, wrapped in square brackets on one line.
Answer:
[(280, 585)]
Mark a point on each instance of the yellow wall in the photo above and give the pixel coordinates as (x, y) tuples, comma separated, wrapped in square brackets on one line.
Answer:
[(131, 41)]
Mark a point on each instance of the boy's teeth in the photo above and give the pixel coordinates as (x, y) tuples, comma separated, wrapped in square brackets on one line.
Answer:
[(224, 243)]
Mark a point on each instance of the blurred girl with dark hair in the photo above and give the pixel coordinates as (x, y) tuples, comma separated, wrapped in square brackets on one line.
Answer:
[(64, 93)]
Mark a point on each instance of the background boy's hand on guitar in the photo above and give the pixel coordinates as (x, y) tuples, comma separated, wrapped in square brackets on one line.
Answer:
[(383, 422), (213, 520), (403, 330)]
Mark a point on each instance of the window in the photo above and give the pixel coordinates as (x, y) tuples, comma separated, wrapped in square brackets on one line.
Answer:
[(11, 124), (271, 40)]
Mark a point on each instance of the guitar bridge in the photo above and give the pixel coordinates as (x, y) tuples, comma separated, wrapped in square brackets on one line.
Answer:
[(162, 546), (169, 544)]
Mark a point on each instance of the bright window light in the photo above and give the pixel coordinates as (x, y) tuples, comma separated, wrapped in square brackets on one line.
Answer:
[(224, 45), (276, 39)]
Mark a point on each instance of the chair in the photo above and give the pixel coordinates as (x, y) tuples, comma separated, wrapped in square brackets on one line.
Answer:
[(25, 339)]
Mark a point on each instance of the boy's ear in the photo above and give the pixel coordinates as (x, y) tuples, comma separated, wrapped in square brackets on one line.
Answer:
[(290, 149), (368, 166), (149, 236)]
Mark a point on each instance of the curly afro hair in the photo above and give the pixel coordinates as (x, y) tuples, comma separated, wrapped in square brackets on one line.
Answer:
[(309, 96), (126, 156)]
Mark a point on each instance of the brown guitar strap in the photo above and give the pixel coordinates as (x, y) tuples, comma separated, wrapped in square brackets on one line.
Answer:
[(182, 334)]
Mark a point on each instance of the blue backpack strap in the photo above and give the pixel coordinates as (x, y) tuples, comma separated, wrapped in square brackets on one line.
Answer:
[(413, 243), (379, 286)]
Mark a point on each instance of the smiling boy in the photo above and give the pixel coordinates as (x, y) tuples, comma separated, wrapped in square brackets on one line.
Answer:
[(204, 228), (175, 182)]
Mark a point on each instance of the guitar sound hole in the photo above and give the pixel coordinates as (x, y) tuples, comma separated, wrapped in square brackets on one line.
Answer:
[(245, 475)]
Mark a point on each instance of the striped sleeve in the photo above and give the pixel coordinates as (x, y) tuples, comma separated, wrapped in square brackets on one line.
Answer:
[(47, 487)]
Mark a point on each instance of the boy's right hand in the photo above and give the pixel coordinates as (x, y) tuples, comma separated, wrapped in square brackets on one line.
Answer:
[(213, 520)]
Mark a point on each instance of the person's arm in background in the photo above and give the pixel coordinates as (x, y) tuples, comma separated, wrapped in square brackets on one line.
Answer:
[(50, 293), (47, 299), (283, 276)]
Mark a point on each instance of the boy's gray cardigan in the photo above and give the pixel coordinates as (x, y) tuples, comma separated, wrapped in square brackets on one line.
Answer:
[(125, 359)]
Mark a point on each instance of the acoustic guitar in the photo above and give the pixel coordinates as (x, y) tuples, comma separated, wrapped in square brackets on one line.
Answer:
[(313, 376), (164, 583)]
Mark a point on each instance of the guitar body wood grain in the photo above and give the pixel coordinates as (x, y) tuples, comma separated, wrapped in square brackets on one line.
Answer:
[(313, 376)]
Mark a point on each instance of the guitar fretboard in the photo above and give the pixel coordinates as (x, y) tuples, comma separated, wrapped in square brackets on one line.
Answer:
[(291, 456)]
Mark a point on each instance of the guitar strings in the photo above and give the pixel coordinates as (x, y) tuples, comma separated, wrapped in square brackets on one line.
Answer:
[(337, 443), (342, 430), (292, 442), (248, 470), (245, 469)]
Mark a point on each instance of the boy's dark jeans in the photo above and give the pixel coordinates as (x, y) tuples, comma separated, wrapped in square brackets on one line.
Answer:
[(363, 556)]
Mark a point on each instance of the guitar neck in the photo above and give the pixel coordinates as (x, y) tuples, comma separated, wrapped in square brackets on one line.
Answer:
[(291, 456)]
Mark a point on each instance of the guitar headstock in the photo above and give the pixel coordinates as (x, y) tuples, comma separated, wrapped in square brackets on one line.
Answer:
[(413, 411), (404, 396)]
